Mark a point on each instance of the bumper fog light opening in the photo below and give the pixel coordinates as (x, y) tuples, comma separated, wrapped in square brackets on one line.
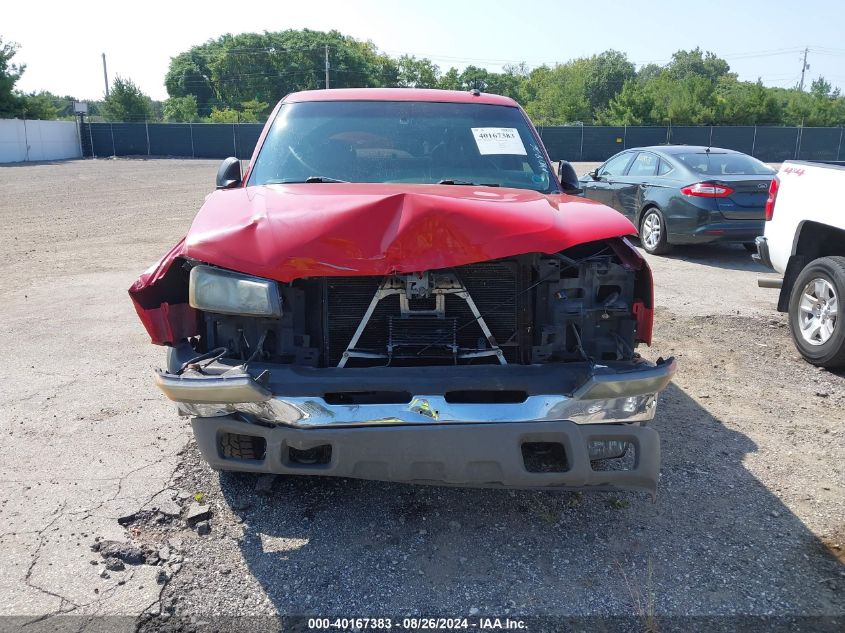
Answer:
[(242, 447), (314, 457), (544, 457)]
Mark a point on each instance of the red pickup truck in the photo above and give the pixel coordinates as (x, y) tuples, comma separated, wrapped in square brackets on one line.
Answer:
[(399, 288)]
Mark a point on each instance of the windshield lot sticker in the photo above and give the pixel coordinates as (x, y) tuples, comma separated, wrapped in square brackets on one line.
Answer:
[(498, 140)]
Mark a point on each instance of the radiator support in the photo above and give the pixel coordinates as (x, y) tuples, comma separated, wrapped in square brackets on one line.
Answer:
[(416, 286)]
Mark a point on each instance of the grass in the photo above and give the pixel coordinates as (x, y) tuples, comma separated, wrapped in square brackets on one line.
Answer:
[(642, 600), (618, 504)]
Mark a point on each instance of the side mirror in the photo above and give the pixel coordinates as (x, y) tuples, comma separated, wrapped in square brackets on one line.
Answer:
[(594, 174), (568, 178), (229, 174)]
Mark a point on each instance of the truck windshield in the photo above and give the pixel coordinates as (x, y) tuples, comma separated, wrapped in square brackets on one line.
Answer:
[(402, 142)]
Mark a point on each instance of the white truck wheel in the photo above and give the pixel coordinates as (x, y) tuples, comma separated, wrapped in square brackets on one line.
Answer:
[(816, 312)]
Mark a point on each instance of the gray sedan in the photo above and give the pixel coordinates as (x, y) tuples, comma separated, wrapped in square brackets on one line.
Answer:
[(682, 194)]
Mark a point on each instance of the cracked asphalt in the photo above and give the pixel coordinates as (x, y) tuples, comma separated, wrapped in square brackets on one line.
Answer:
[(749, 519)]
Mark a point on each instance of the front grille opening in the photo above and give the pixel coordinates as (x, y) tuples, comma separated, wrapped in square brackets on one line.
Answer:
[(367, 397), (481, 396), (612, 455), (544, 457), (316, 456), (244, 447)]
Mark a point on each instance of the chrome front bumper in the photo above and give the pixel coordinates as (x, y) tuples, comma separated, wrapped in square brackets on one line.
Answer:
[(428, 437), (604, 395)]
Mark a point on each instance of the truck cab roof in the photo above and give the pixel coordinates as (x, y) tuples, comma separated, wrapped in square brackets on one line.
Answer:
[(399, 94)]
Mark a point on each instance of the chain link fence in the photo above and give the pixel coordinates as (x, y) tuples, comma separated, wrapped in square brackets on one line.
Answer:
[(771, 144), (573, 143), (177, 140)]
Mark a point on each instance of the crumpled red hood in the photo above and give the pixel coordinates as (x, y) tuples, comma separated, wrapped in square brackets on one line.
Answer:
[(285, 232)]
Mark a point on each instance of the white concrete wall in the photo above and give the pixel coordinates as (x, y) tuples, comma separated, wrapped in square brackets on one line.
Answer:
[(37, 140)]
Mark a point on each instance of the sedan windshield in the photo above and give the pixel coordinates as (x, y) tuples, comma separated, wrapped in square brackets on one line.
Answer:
[(402, 142), (723, 164)]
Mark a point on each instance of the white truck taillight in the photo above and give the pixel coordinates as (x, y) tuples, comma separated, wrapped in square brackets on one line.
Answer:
[(770, 201), (707, 190)]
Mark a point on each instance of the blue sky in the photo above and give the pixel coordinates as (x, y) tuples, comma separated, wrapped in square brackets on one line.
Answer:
[(759, 39)]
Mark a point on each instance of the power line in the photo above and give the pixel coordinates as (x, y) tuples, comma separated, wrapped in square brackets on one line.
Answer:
[(231, 76), (245, 50), (828, 50), (435, 57)]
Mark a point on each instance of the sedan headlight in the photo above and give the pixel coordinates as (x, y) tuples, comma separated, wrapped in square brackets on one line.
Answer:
[(222, 291)]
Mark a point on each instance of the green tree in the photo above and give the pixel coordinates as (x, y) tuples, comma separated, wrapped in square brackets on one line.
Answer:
[(821, 107), (605, 74), (509, 81), (38, 106), (682, 93), (557, 96), (417, 73), (224, 115), (577, 91), (662, 100), (156, 110), (234, 69), (648, 72), (181, 109), (238, 77), (253, 110), (821, 88), (696, 63), (189, 76), (747, 103), (9, 75), (691, 100), (476, 78), (634, 105), (63, 105), (451, 80), (126, 102)]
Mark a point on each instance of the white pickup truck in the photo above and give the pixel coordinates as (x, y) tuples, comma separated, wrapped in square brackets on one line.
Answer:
[(805, 241)]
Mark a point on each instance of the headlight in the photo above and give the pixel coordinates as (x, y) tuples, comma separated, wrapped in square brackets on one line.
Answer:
[(225, 292)]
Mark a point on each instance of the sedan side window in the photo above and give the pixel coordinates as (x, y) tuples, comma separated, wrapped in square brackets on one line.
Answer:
[(615, 166), (644, 165), (665, 167)]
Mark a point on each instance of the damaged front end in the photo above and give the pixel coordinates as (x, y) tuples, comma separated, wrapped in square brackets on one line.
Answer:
[(467, 375)]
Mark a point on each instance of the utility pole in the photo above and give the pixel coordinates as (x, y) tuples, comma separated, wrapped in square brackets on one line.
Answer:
[(327, 66), (105, 76), (804, 66)]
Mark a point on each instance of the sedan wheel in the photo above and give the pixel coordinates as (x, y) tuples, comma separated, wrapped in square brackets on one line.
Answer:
[(816, 312), (653, 232)]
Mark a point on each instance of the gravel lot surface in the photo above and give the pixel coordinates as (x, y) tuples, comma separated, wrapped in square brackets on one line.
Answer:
[(749, 519)]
